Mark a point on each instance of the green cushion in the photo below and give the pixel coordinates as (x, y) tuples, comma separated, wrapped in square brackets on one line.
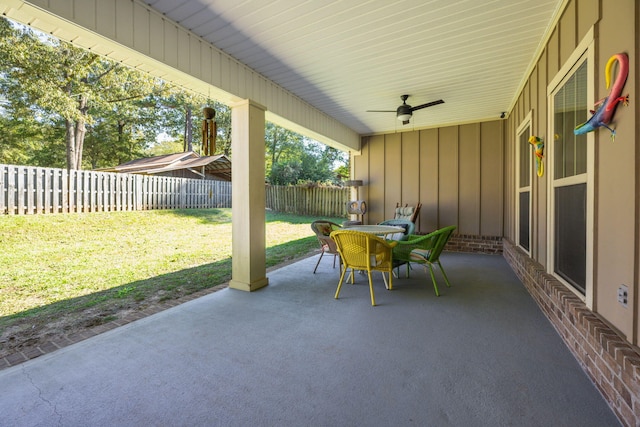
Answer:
[(419, 255), (404, 212)]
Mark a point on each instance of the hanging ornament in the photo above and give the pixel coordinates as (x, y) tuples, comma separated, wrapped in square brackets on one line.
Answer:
[(605, 108), (538, 150), (209, 131)]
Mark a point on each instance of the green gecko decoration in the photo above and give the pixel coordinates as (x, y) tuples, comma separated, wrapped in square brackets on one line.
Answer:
[(538, 145)]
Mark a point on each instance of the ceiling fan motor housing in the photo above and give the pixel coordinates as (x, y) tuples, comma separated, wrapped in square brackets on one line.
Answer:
[(404, 109)]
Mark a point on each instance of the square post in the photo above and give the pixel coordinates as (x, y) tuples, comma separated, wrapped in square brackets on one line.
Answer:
[(248, 265)]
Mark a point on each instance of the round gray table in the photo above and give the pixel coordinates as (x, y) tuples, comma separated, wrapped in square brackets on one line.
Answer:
[(378, 230)]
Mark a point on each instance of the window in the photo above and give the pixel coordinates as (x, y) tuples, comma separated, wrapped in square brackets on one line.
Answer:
[(570, 206), (523, 187)]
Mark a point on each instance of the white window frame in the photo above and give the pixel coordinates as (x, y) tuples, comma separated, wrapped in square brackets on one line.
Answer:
[(526, 123), (585, 51)]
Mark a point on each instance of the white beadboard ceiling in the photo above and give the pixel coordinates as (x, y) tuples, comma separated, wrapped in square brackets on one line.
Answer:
[(345, 57)]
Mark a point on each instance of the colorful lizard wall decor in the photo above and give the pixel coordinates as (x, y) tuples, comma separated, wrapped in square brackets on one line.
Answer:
[(538, 145), (606, 107)]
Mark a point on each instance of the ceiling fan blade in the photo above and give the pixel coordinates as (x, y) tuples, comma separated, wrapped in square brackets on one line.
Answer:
[(428, 104), (381, 111)]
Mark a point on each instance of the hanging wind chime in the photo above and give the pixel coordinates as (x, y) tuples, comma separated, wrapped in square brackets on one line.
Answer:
[(209, 131)]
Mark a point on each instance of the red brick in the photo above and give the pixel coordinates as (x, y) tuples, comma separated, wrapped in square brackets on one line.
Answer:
[(632, 383), (77, 337), (636, 411), (32, 352), (622, 391), (595, 344), (623, 351), (15, 358), (604, 369), (610, 341), (607, 390), (625, 415), (48, 347)]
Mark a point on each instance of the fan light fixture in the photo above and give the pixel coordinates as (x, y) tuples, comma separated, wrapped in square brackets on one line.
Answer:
[(405, 111)]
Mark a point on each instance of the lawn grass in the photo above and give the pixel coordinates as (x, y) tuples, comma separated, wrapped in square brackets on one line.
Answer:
[(56, 265)]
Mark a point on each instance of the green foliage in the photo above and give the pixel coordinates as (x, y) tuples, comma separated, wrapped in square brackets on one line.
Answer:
[(179, 105), (285, 173), (61, 105), (292, 158), (164, 147), (64, 106)]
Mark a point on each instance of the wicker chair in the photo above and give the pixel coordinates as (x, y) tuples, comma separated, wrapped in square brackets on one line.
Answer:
[(424, 250), (365, 252), (407, 212), (322, 229)]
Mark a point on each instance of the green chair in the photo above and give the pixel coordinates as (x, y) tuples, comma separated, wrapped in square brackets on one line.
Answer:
[(424, 250)]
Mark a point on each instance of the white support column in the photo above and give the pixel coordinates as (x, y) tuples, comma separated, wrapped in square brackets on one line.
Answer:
[(248, 270)]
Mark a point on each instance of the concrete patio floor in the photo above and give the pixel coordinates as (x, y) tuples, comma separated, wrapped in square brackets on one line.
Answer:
[(481, 354)]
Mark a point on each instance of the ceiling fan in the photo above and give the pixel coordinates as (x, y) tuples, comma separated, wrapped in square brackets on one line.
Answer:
[(405, 111)]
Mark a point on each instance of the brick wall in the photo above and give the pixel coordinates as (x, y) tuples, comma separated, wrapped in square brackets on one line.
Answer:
[(478, 244), (612, 363)]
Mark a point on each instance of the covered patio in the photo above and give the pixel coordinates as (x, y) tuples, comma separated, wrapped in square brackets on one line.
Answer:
[(290, 354), (482, 354)]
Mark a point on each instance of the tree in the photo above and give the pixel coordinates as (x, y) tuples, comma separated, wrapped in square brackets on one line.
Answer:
[(292, 158), (223, 118), (165, 146), (65, 84), (182, 112), (64, 105)]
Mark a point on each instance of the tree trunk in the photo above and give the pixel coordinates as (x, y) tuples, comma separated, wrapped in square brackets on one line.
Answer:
[(71, 144), (76, 131), (120, 128), (188, 134), (81, 130), (275, 155)]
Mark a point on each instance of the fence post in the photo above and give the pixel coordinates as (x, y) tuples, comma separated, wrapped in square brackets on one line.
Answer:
[(4, 173), (11, 190)]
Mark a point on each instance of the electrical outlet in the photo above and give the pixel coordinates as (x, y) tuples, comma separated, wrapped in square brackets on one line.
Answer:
[(623, 295)]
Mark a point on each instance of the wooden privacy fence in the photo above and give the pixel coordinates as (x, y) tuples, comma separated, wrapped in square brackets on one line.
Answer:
[(35, 190), (312, 201), (26, 190)]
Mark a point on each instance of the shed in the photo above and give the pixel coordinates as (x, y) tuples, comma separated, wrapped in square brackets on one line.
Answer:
[(183, 165)]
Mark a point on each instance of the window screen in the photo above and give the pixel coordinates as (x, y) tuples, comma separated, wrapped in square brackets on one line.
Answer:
[(570, 180), (524, 220), (570, 110), (570, 234), (525, 159), (524, 187)]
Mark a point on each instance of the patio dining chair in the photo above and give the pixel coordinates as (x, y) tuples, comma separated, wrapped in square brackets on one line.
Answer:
[(424, 250), (409, 228), (407, 212), (364, 252), (322, 229)]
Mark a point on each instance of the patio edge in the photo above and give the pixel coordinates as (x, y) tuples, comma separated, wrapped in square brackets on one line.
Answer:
[(610, 361)]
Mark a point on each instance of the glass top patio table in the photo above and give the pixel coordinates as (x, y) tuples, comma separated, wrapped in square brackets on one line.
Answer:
[(379, 230)]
